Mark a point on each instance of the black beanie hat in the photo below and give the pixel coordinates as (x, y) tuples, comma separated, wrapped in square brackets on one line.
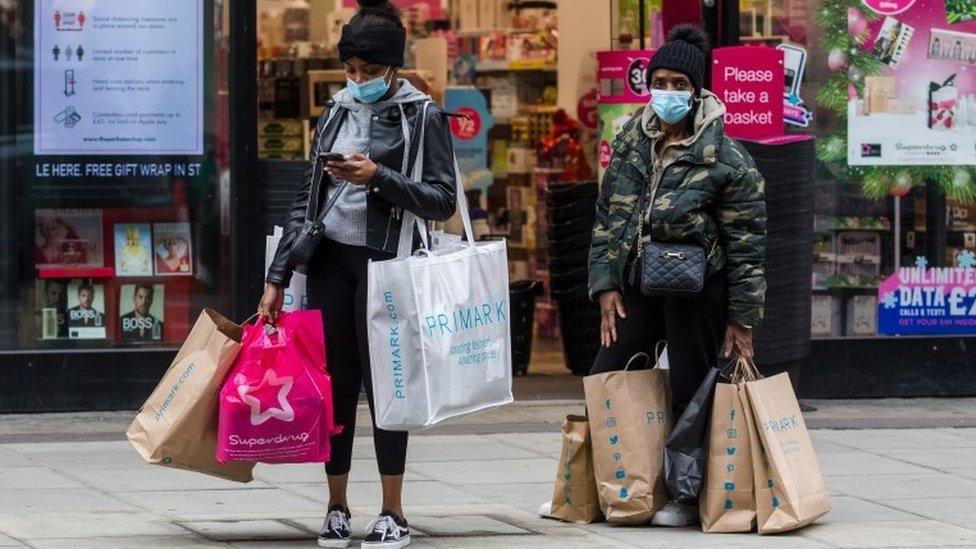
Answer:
[(684, 52), (375, 34)]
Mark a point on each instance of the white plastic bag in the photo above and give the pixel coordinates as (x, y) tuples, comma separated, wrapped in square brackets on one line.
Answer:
[(296, 296), (438, 323)]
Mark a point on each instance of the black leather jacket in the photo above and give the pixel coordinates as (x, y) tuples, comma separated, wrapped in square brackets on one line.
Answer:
[(389, 192)]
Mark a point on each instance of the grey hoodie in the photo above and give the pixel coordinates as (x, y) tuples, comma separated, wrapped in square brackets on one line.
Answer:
[(346, 223)]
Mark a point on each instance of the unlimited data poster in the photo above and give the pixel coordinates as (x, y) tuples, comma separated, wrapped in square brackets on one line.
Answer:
[(921, 109), (118, 77), (937, 301)]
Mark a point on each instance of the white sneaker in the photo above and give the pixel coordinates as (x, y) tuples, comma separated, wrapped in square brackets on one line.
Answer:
[(387, 531), (675, 513), (545, 510)]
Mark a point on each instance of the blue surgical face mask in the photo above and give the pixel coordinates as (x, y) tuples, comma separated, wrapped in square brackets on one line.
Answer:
[(371, 90), (671, 106)]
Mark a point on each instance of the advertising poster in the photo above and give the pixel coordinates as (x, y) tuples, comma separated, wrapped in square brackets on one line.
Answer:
[(86, 311), (933, 301), (921, 110), (795, 111), (622, 89), (133, 245), (67, 238), (141, 312), (172, 249), (119, 77), (469, 132), (51, 308)]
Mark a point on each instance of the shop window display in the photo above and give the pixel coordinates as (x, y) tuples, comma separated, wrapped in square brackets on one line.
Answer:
[(883, 201), (111, 168)]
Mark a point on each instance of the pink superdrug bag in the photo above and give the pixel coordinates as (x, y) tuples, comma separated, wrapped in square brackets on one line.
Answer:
[(276, 403)]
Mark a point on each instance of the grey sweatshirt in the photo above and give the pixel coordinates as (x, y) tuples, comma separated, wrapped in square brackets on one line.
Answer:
[(346, 223)]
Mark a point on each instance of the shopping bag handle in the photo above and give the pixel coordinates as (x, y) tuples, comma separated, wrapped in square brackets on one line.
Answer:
[(265, 331), (250, 319), (659, 348), (744, 370), (647, 360), (410, 219)]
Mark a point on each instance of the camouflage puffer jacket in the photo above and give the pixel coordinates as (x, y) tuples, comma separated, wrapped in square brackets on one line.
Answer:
[(711, 194)]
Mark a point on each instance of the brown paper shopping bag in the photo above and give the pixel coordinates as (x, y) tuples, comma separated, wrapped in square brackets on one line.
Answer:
[(728, 502), (574, 497), (790, 490), (630, 417), (177, 425)]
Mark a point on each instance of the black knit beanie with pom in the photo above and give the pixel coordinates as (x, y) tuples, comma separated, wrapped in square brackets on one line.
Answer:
[(684, 52), (375, 34)]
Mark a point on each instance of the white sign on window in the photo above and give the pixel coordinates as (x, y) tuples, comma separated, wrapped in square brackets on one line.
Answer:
[(118, 77)]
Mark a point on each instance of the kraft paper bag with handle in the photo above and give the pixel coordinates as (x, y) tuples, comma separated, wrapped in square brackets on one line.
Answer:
[(728, 501), (630, 417), (792, 493), (574, 497), (177, 425)]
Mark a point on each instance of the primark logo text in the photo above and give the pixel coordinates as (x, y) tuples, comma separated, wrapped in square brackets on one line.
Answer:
[(171, 395)]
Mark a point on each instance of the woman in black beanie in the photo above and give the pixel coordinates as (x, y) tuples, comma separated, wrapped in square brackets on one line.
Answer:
[(372, 123), (676, 178)]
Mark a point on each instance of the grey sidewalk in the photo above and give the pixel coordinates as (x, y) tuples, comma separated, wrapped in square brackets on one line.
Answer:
[(891, 488)]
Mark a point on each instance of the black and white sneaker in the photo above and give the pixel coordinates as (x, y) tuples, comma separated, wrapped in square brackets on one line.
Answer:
[(335, 529), (387, 531)]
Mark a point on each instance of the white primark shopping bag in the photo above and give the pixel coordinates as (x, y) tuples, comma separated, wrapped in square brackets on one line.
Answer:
[(296, 297), (438, 323)]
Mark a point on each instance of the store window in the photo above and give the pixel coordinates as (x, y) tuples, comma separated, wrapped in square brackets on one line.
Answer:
[(890, 97), (113, 171)]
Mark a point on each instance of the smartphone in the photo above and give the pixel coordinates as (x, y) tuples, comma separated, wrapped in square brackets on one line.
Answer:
[(332, 157)]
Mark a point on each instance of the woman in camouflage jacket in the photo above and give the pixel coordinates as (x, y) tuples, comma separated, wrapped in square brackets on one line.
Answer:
[(702, 188)]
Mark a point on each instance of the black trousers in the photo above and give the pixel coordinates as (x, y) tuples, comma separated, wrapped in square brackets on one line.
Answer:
[(337, 286), (694, 328)]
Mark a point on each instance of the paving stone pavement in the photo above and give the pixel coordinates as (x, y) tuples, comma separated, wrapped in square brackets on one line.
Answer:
[(889, 487)]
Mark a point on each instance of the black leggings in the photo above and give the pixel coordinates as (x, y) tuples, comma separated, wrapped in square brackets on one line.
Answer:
[(337, 286), (694, 328)]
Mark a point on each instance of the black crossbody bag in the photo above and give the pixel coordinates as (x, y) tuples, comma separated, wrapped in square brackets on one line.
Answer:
[(664, 269), (314, 226)]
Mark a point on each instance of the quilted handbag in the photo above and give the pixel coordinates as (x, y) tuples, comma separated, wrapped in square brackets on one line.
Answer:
[(672, 269), (667, 270)]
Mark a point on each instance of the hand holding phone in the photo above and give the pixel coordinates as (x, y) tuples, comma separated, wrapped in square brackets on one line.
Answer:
[(355, 168)]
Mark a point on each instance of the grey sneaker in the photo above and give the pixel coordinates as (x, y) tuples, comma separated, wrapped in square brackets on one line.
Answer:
[(387, 531), (335, 529), (677, 514)]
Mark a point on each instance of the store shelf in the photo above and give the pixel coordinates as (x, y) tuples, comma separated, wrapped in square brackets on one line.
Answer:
[(823, 224), (90, 272), (527, 65), (845, 288)]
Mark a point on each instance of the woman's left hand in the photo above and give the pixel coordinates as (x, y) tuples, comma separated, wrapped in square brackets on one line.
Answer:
[(357, 169), (738, 340)]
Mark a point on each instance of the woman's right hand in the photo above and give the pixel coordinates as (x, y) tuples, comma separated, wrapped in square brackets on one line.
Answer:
[(271, 302), (611, 305)]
